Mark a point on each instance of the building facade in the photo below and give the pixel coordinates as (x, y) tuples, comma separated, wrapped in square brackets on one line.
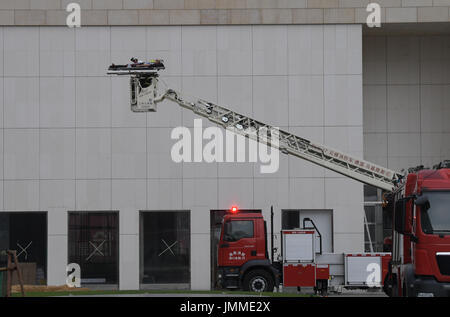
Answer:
[(87, 181)]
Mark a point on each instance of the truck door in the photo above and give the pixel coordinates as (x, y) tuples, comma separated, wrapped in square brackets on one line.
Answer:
[(238, 242)]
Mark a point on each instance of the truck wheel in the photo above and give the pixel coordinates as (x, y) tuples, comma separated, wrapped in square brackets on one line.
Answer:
[(258, 281)]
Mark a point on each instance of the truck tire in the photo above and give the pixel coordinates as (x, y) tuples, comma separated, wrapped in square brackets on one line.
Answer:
[(258, 281)]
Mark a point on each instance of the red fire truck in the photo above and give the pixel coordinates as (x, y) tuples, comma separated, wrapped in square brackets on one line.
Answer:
[(244, 262), (417, 202), (420, 264)]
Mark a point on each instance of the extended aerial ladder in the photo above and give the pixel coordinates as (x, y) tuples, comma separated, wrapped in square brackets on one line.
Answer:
[(147, 91)]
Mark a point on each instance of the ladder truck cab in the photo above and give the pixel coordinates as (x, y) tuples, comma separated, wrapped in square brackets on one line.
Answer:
[(418, 203), (420, 210)]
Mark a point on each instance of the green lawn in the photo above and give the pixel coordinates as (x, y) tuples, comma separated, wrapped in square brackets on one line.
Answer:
[(106, 292)]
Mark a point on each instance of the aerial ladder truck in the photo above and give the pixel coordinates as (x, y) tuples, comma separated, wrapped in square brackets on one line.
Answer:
[(417, 202)]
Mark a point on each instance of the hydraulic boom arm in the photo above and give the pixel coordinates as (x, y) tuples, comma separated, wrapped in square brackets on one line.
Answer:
[(288, 143)]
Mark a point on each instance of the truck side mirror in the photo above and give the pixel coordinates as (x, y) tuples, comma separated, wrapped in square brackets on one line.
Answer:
[(423, 202), (399, 215)]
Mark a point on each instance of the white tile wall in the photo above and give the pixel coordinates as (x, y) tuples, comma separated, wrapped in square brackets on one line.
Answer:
[(347, 242), (127, 42), (92, 51), (305, 49), (435, 60), (56, 52), (55, 217), (57, 261), (403, 60), (435, 110), (403, 110), (93, 101), (57, 194), (343, 100), (21, 195), (270, 100), (164, 194), (2, 155), (235, 192), (375, 148), (93, 153), (128, 264), (165, 42), (57, 102), (200, 260), (2, 51), (200, 192), (199, 51), (270, 50), (272, 191), (375, 108), (374, 60), (2, 108), (159, 162), (236, 93), (70, 142), (57, 153), (21, 110), (344, 215), (129, 158), (342, 49), (306, 100), (406, 109), (234, 50), (21, 51), (129, 193), (21, 154), (308, 193), (93, 194)]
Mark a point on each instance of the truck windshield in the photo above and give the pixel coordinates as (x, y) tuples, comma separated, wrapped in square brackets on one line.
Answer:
[(436, 219), (236, 230)]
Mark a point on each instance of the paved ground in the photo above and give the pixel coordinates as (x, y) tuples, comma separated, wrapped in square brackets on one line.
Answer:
[(163, 295), (345, 293), (359, 293)]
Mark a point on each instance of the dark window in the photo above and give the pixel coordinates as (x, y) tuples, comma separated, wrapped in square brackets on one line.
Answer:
[(434, 214), (238, 229), (165, 247), (25, 232), (290, 219), (370, 193), (93, 244)]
